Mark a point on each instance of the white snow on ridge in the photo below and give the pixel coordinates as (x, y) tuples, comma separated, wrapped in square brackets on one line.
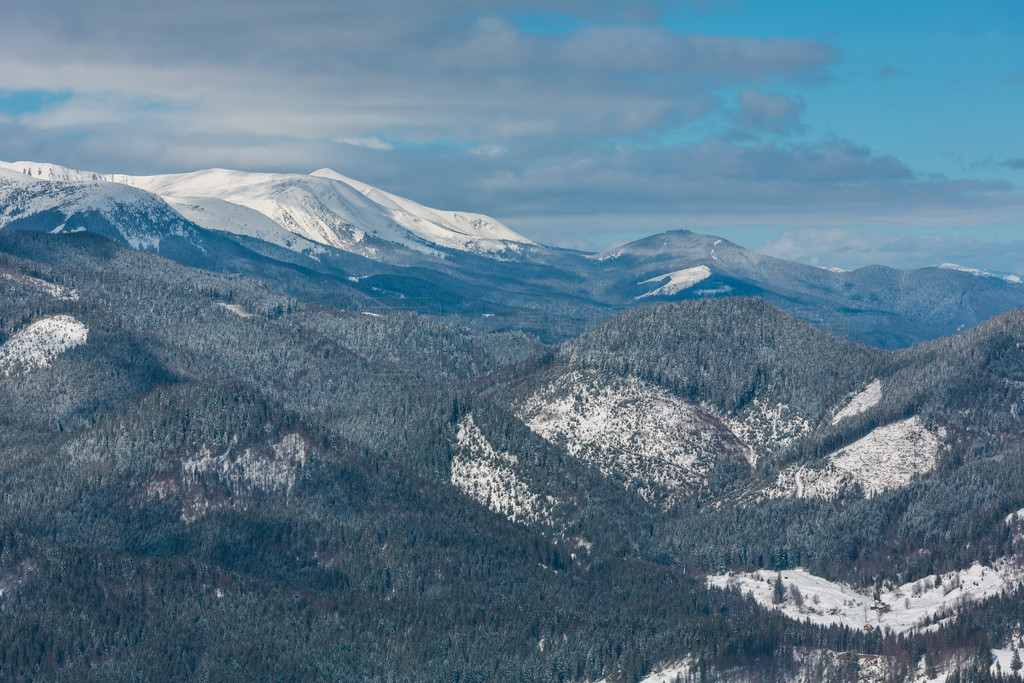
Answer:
[(488, 477), (902, 609), (333, 215), (39, 343), (677, 281), (218, 214), (887, 458), (636, 433), (52, 172), (1007, 277), (456, 230), (866, 399), (299, 211), (78, 199)]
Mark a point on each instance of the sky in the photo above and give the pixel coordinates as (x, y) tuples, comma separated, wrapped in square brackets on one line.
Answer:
[(840, 134)]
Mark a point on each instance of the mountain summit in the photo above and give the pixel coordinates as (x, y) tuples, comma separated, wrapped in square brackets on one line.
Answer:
[(300, 211)]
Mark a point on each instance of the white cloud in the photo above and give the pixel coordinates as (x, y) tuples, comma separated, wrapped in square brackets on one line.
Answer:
[(492, 151), (369, 142)]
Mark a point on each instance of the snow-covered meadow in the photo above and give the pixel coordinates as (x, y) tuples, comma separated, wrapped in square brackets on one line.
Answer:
[(909, 607), (38, 344)]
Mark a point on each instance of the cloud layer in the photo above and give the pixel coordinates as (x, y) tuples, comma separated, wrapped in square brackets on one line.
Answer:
[(562, 118), (850, 249)]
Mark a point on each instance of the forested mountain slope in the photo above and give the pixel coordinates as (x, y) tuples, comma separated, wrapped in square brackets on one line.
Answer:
[(226, 480), (277, 474)]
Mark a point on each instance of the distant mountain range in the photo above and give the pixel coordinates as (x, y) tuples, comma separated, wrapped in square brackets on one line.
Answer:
[(329, 236)]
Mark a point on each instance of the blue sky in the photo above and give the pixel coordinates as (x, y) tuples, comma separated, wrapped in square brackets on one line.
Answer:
[(835, 133)]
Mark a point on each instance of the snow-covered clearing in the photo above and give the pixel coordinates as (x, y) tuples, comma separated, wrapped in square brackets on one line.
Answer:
[(39, 343), (670, 672), (861, 402), (487, 476), (903, 609), (651, 441), (677, 281), (887, 458), (236, 309)]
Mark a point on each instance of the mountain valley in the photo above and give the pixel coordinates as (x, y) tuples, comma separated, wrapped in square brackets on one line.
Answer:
[(294, 426)]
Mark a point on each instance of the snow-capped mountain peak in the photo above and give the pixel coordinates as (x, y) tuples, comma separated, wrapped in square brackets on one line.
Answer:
[(1008, 277), (302, 212), (454, 229)]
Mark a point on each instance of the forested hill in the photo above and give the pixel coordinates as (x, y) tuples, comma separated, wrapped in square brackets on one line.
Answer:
[(222, 479)]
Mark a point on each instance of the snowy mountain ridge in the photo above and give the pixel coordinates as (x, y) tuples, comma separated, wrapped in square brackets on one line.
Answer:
[(302, 212)]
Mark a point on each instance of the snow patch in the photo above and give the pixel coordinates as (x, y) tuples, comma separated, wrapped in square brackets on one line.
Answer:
[(236, 309), (861, 402), (887, 458), (911, 607), (487, 476), (39, 343), (677, 281), (669, 673), (634, 432)]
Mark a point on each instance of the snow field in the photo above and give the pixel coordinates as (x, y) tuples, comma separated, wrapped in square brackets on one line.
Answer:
[(887, 458), (632, 431), (487, 476), (861, 402), (677, 281), (902, 609), (38, 344)]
